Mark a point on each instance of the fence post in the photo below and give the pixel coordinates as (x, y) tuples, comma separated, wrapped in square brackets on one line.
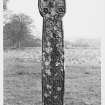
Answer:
[(53, 74)]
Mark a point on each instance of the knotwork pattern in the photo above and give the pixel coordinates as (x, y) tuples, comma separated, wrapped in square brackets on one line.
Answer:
[(53, 74)]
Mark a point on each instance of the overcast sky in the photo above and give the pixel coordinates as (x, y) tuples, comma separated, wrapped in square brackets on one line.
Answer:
[(83, 19)]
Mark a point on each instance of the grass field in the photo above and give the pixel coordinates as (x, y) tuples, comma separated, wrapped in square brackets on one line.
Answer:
[(22, 77)]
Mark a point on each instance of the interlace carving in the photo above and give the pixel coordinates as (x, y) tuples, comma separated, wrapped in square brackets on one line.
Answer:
[(53, 74)]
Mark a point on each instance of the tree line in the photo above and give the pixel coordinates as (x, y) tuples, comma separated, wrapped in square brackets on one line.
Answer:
[(17, 32)]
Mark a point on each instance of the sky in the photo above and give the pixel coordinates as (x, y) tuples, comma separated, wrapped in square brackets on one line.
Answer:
[(83, 18)]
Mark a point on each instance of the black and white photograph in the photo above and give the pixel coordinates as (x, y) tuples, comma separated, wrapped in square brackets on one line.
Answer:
[(52, 52)]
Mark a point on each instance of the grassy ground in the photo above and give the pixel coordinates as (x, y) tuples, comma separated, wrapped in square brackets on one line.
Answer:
[(22, 77)]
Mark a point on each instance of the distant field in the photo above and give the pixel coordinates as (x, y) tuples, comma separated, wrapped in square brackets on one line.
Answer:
[(22, 77)]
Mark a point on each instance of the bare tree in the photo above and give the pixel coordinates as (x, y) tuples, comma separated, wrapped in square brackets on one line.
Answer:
[(18, 29)]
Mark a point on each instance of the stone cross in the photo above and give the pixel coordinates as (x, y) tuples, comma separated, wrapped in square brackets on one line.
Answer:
[(53, 74)]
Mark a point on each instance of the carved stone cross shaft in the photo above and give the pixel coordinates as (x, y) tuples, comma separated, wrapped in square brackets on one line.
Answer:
[(53, 74)]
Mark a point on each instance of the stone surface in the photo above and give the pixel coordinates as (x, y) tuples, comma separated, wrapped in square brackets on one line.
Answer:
[(52, 12)]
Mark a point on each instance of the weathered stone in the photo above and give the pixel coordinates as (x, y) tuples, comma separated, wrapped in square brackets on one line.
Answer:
[(53, 75)]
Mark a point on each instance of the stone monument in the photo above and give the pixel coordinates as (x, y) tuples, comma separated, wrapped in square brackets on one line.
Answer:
[(53, 75)]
